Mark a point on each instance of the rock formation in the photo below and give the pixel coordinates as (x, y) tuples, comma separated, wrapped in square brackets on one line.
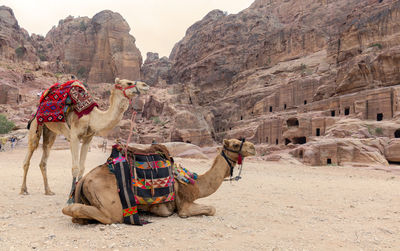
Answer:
[(97, 49), (14, 41), (287, 73), (318, 78)]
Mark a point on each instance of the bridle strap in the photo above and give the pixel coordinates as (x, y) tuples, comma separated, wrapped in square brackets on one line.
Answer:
[(230, 161), (119, 87)]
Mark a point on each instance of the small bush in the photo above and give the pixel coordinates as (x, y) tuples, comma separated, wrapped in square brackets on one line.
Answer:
[(81, 72), (378, 131), (156, 120), (376, 45), (42, 57), (5, 124), (82, 26), (20, 51)]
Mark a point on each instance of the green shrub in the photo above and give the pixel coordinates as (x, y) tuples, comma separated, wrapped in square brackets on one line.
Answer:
[(42, 57), (376, 45), (81, 72), (378, 131), (82, 26), (156, 120), (5, 124), (20, 51)]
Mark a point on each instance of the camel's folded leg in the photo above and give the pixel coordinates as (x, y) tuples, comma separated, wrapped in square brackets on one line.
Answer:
[(188, 209), (81, 211), (163, 210)]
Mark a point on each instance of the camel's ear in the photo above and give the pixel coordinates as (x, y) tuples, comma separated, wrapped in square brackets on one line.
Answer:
[(117, 81), (226, 142)]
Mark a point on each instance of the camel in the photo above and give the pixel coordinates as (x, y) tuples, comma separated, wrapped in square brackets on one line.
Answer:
[(77, 130), (97, 191)]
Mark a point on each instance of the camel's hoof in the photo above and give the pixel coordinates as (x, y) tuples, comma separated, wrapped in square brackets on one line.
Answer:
[(49, 193), (183, 216), (70, 201), (24, 192)]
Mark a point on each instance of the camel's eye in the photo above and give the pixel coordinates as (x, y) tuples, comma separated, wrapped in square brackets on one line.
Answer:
[(129, 83), (236, 145)]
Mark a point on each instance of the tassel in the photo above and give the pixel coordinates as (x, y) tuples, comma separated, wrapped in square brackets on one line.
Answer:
[(239, 159)]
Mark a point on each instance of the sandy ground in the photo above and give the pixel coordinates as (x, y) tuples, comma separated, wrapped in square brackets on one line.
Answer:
[(276, 206)]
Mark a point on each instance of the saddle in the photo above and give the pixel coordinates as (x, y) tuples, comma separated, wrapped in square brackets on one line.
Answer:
[(143, 178), (60, 99)]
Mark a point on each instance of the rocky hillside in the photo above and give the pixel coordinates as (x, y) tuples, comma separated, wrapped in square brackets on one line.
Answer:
[(318, 78), (95, 49), (290, 72), (15, 43)]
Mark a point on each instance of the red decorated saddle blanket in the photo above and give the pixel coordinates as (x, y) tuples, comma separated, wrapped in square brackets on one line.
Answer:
[(59, 99)]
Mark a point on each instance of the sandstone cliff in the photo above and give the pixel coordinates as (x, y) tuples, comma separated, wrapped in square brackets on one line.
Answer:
[(286, 72), (14, 41), (97, 49)]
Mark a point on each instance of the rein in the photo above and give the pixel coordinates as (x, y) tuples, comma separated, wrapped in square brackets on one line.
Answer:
[(133, 116), (232, 162)]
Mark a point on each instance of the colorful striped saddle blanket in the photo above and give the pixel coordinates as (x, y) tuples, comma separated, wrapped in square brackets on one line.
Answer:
[(143, 178), (59, 99)]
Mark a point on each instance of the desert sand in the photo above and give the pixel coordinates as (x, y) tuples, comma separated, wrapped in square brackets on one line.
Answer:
[(275, 206)]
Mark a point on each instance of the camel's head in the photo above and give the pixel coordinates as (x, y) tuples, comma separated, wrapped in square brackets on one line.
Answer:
[(245, 148), (130, 88)]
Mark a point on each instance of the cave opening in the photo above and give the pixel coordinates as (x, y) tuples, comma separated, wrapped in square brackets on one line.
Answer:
[(299, 140)]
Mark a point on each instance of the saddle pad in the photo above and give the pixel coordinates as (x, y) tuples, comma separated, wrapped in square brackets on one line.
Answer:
[(56, 101), (142, 179)]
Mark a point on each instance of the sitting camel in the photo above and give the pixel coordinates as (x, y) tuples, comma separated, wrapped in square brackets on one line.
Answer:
[(99, 200), (78, 130)]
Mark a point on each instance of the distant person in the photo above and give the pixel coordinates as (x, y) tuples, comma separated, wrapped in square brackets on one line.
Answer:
[(13, 140)]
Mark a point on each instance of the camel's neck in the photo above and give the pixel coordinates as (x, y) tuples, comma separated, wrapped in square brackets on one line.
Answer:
[(210, 181), (103, 121)]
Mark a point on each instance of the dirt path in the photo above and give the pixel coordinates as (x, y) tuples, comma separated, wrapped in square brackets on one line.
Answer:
[(276, 206)]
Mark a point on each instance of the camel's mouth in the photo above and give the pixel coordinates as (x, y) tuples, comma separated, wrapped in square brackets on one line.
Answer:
[(144, 90), (251, 152)]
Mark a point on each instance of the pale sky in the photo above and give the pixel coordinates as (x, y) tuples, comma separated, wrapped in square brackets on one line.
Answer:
[(156, 24)]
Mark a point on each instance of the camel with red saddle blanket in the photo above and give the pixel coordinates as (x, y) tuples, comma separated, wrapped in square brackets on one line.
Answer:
[(97, 194), (76, 126)]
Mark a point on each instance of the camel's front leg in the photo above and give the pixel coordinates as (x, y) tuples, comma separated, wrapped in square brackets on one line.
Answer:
[(188, 209), (74, 146), (82, 159)]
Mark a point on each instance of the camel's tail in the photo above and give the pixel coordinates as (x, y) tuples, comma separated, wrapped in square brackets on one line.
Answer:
[(28, 126)]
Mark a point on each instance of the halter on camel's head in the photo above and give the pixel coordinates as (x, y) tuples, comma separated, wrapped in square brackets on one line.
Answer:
[(125, 85), (239, 154)]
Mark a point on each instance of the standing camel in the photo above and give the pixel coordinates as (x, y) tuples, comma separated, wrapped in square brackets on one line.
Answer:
[(98, 190), (77, 130)]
